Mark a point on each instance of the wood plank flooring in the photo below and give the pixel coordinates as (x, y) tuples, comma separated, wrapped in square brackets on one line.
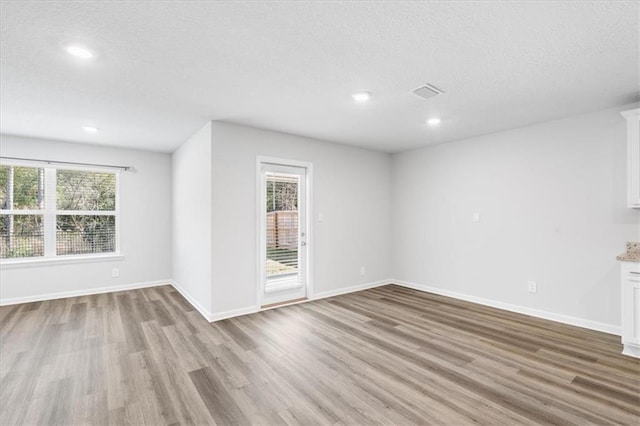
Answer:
[(386, 356)]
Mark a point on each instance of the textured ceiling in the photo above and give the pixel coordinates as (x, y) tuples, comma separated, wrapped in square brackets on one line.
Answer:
[(164, 68)]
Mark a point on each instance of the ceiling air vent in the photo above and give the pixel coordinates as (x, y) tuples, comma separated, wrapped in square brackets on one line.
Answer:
[(427, 91)]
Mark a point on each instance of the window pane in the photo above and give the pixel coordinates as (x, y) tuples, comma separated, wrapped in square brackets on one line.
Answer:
[(282, 224), (21, 236), (80, 190), (28, 188), (282, 192), (85, 234)]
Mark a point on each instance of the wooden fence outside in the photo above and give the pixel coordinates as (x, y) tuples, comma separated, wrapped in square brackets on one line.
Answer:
[(282, 229)]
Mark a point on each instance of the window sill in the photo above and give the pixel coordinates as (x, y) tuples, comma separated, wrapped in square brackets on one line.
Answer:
[(61, 260)]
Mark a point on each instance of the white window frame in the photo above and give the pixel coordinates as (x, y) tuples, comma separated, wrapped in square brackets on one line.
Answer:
[(50, 211)]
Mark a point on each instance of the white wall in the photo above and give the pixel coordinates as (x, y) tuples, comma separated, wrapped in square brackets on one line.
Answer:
[(145, 240), (551, 198), (191, 213), (351, 190), (553, 210)]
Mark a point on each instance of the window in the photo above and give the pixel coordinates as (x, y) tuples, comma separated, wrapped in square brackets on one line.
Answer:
[(48, 212), (281, 223)]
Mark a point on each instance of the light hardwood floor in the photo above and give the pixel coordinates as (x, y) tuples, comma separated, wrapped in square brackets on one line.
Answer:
[(389, 356)]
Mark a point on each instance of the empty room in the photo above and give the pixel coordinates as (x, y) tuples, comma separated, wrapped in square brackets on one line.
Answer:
[(319, 213)]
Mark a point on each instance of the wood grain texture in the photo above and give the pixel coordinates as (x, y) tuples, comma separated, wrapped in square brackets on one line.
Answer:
[(385, 356)]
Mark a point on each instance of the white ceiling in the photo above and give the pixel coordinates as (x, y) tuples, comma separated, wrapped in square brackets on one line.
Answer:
[(164, 68)]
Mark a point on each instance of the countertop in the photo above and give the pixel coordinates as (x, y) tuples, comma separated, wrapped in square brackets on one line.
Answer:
[(632, 254)]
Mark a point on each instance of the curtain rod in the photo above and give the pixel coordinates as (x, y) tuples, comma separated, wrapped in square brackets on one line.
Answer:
[(71, 163)]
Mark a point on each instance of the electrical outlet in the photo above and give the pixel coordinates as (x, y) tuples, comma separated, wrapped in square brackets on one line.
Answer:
[(363, 271), (115, 273), (532, 287)]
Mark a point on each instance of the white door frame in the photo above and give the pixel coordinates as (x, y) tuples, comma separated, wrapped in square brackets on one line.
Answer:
[(261, 223)]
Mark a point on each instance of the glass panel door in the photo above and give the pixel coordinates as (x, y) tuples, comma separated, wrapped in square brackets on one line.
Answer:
[(284, 233)]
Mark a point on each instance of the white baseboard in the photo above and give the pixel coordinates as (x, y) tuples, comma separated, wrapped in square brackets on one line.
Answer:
[(234, 313), (350, 289), (205, 312), (631, 350), (253, 309), (565, 319), (86, 292)]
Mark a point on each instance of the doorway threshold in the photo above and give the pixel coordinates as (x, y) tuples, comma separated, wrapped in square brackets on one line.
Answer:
[(284, 303)]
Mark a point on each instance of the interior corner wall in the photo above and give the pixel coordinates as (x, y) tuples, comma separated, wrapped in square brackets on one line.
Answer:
[(351, 190), (551, 199), (552, 205), (145, 217), (191, 214)]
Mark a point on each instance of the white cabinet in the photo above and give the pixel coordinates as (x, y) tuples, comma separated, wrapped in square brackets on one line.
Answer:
[(633, 156), (631, 309)]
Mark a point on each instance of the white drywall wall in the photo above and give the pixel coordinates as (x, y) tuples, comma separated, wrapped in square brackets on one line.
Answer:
[(351, 190), (145, 223), (551, 199), (191, 216)]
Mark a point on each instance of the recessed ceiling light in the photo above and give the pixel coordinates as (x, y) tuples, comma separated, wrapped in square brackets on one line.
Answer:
[(90, 129), (361, 96), (433, 121), (79, 52)]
